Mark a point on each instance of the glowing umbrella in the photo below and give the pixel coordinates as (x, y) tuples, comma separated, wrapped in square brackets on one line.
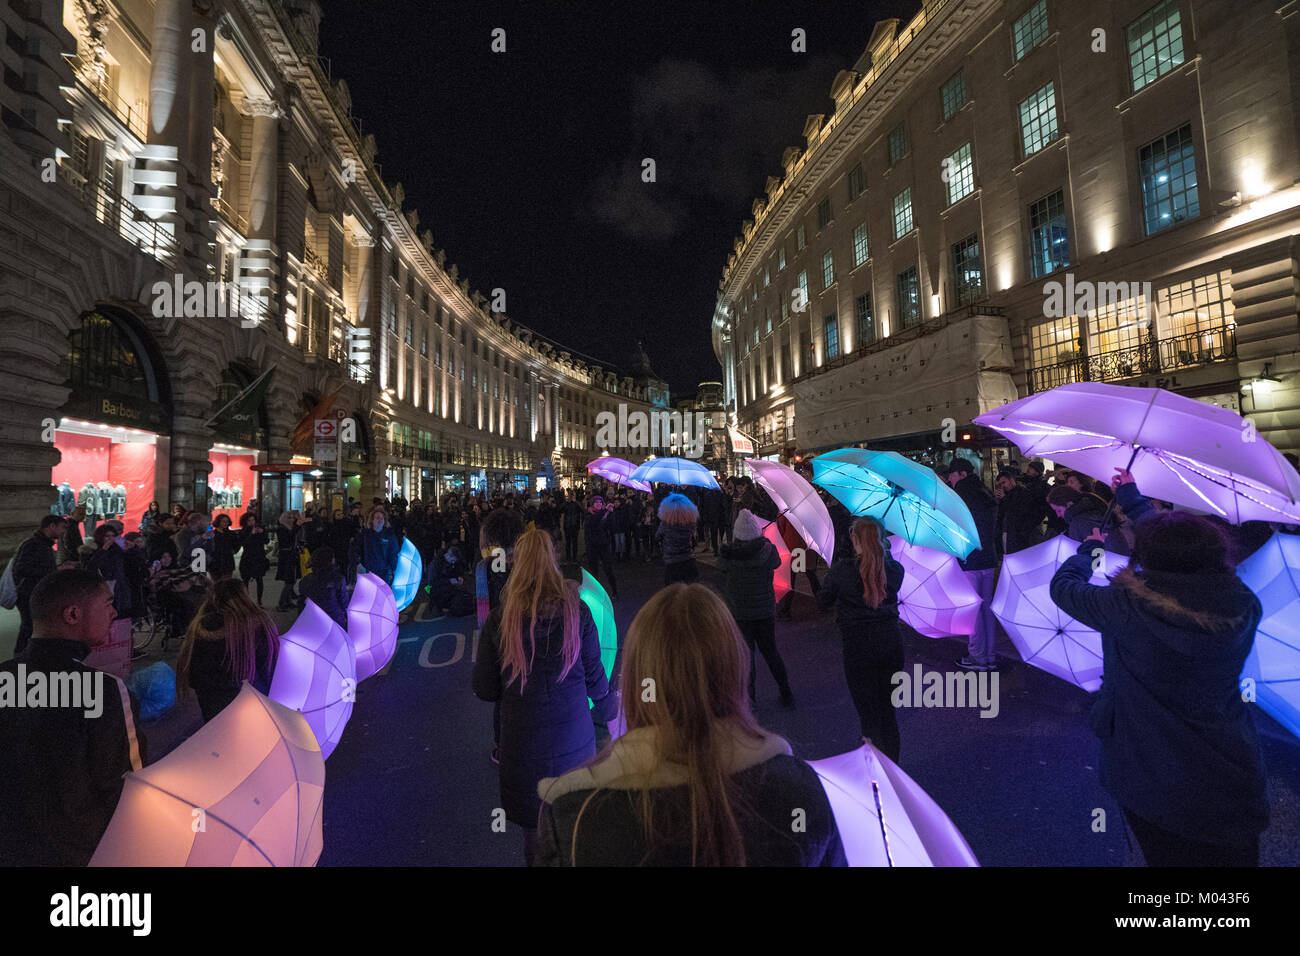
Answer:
[(372, 624), (1194, 454), (409, 574), (617, 470), (782, 577), (799, 503), (909, 499), (676, 471), (937, 598), (1046, 636), (602, 611), (884, 818), (316, 673), (245, 790), (1273, 573)]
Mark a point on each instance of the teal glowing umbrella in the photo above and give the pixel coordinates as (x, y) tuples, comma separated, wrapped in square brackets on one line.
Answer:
[(410, 571), (676, 471), (909, 499), (602, 611)]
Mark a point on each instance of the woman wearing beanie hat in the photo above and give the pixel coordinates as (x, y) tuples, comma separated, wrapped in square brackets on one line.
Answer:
[(748, 561), (678, 518)]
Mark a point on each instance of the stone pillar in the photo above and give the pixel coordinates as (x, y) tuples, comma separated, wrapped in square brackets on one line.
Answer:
[(259, 261), (191, 442), (159, 165)]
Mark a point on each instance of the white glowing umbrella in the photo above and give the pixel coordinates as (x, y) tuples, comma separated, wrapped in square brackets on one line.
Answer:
[(799, 502), (316, 673), (937, 598)]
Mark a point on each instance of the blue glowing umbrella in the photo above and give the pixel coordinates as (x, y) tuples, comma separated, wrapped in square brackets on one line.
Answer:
[(676, 471), (410, 571), (598, 603), (1273, 573), (909, 499)]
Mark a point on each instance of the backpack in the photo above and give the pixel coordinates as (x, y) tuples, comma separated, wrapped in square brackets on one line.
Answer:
[(9, 587)]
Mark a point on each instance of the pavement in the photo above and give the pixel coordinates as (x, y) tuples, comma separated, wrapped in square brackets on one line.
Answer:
[(411, 783)]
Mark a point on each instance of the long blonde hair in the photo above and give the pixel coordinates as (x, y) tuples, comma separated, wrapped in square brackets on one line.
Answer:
[(678, 509), (243, 626), (686, 640), (865, 533), (536, 589)]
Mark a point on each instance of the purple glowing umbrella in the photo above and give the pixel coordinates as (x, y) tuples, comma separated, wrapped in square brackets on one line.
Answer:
[(676, 471), (372, 624), (1046, 636), (799, 502), (884, 818), (316, 673), (1197, 455), (617, 470), (1273, 573), (937, 598)]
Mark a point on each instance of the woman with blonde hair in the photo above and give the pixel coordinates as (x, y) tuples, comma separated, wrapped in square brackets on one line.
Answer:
[(695, 781), (864, 590), (540, 657), (678, 519), (231, 640)]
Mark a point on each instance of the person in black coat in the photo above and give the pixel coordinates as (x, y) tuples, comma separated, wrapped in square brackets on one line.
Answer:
[(288, 540), (600, 540), (225, 545), (1020, 513), (981, 564), (572, 515), (230, 640), (380, 547), (863, 589), (109, 562), (160, 539), (326, 586), (748, 562), (253, 562), (1083, 513), (543, 670), (725, 795), (1179, 750), (32, 563), (447, 573)]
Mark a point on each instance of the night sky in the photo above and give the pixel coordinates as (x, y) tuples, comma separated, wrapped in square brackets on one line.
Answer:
[(526, 165)]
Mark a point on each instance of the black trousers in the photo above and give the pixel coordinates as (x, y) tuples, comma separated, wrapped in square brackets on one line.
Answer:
[(1162, 848), (571, 544), (870, 662), (761, 633), (687, 571), (602, 558)]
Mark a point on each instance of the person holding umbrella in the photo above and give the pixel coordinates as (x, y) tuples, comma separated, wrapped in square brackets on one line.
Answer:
[(981, 564), (748, 562)]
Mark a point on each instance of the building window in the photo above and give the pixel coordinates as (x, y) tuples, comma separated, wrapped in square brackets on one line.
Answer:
[(909, 298), (767, 276), (1054, 352), (1199, 305), (437, 355), (767, 314), (831, 332), (828, 269), (1155, 43), (410, 330), (857, 182), (1168, 170), (967, 270), (824, 213), (1049, 239), (785, 308), (866, 319), (424, 341), (800, 238), (780, 259), (959, 174), (1118, 325), (897, 143), (392, 316), (953, 95), (903, 213), (1030, 30), (859, 245), (1038, 119)]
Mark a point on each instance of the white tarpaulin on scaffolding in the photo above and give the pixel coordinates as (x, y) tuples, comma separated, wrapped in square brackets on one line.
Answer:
[(958, 372)]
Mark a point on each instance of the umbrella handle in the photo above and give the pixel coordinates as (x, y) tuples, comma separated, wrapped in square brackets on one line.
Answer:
[(1110, 509)]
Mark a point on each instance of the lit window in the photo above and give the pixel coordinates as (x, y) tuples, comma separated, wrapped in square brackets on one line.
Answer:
[(1168, 170), (909, 298), (780, 259), (1030, 30), (1038, 119), (828, 269), (1054, 353), (866, 319), (860, 245), (1049, 238), (968, 270), (953, 95), (959, 174), (903, 213), (831, 328), (800, 238), (1155, 43)]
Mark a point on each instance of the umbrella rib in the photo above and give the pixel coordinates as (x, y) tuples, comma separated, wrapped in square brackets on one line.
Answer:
[(207, 813)]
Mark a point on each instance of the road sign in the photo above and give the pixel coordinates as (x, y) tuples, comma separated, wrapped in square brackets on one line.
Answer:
[(326, 429)]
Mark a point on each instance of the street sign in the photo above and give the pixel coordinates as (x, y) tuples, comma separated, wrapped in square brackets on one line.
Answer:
[(327, 432)]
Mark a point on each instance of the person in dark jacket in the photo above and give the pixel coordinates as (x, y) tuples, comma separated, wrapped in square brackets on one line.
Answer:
[(1084, 513), (225, 545), (33, 562), (678, 518), (863, 589), (447, 573), (1179, 750), (748, 561), (599, 534), (161, 539), (288, 540), (712, 514), (981, 564), (72, 540), (540, 657), (61, 767), (253, 562), (1020, 513), (380, 547), (109, 562), (572, 515), (696, 782), (326, 586), (230, 640)]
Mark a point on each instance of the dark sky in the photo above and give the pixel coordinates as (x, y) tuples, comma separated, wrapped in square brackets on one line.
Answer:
[(526, 165)]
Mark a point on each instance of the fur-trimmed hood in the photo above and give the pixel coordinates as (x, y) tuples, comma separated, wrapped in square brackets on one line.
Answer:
[(1213, 605)]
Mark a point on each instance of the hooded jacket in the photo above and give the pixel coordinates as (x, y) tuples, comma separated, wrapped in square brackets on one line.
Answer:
[(748, 564), (607, 796), (677, 541), (1178, 744), (984, 509)]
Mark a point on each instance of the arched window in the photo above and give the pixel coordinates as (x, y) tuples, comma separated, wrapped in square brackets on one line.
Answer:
[(106, 354)]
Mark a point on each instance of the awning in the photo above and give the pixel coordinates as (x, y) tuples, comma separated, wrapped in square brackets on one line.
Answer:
[(740, 443)]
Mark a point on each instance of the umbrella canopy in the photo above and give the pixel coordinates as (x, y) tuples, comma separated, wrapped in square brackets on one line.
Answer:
[(1046, 636), (783, 576), (676, 471), (617, 470), (372, 624), (410, 572), (799, 502), (602, 610), (245, 790), (316, 673), (908, 498), (884, 818), (1197, 455), (937, 598), (1273, 573)]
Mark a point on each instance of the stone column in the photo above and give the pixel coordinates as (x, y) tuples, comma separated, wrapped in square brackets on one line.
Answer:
[(258, 266), (159, 164)]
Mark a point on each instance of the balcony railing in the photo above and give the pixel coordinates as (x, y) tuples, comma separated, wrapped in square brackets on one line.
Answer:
[(120, 215), (230, 214), (1154, 357), (132, 118)]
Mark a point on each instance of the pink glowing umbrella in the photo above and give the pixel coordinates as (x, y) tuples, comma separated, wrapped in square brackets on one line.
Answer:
[(316, 673), (937, 598), (884, 818), (1046, 636), (799, 503), (1197, 455), (617, 470), (1273, 573), (372, 624), (245, 790), (782, 577)]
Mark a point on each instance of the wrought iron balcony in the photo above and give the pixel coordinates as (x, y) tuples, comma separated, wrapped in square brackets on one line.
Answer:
[(1153, 357)]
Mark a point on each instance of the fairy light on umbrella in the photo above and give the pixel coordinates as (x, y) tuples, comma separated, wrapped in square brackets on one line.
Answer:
[(798, 502), (676, 471)]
